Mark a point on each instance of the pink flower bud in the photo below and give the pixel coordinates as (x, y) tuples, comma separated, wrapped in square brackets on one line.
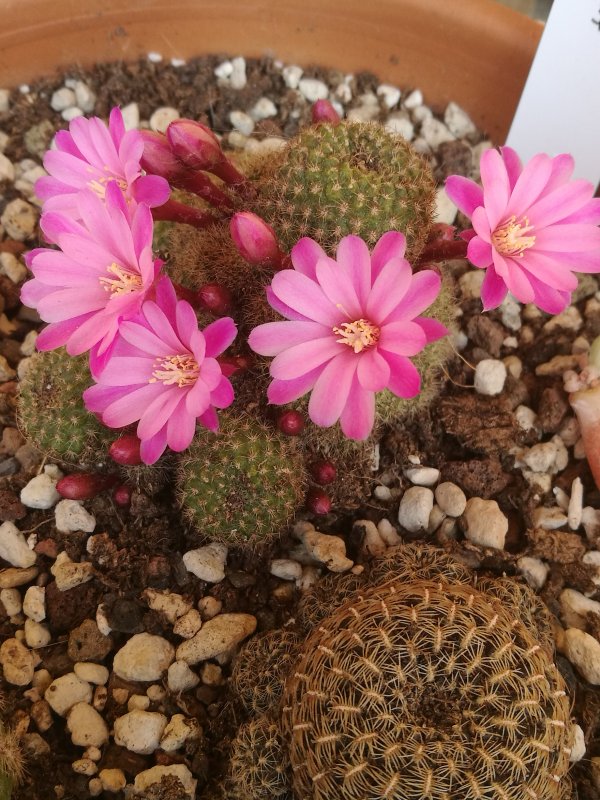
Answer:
[(255, 240), (84, 485), (194, 144), (323, 111), (126, 450), (318, 502), (323, 472), (215, 298), (158, 158), (122, 495), (291, 423)]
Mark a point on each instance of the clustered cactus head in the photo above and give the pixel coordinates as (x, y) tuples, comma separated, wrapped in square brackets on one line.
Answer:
[(426, 690), (258, 763)]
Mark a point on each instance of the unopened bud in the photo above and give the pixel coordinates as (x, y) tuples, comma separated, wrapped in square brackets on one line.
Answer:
[(323, 472), (323, 111), (291, 423), (215, 298), (157, 158), (122, 495), (318, 502), (232, 364), (84, 485), (255, 240), (194, 144), (126, 450)]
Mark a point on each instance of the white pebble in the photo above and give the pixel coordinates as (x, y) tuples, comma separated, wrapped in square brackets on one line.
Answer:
[(549, 519), (583, 651), (217, 637), (435, 132), (422, 476), (414, 99), (389, 94), (180, 678), (242, 122), (400, 125), (263, 109), (86, 726), (457, 120), (382, 493), (388, 533), (451, 499), (578, 749), (69, 574), (71, 516), (590, 518), (64, 692), (510, 312), (188, 625), (36, 634), (13, 547), (143, 658), (224, 70), (171, 604), (237, 79), (131, 116), (40, 492), (534, 570), (178, 730), (140, 731), (92, 673), (575, 510), (485, 524), (415, 508), (444, 211), (71, 113), (62, 98), (86, 99), (470, 284), (372, 542), (154, 57), (11, 600), (367, 110), (286, 569), (490, 376), (291, 75), (541, 457), (575, 607), (162, 118), (312, 89), (208, 562)]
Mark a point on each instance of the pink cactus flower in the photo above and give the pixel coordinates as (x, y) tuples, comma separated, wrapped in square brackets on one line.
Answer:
[(352, 324), (532, 226), (89, 156), (164, 374), (100, 276)]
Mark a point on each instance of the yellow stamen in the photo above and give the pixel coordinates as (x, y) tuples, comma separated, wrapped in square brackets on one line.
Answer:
[(358, 335), (509, 239), (123, 282), (180, 370), (98, 184)]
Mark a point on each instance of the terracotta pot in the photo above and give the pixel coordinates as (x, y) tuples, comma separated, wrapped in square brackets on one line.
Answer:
[(473, 51)]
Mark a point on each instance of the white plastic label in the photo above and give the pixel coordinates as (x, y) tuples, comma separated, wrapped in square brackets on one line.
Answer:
[(559, 110)]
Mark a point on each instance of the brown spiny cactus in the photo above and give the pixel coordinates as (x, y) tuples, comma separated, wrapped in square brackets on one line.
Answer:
[(426, 691), (258, 767)]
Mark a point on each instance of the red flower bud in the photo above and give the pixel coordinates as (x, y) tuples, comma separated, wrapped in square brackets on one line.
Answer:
[(84, 485), (318, 502), (215, 298), (194, 144), (126, 450), (291, 423), (255, 240), (323, 111), (323, 472), (158, 158), (122, 495)]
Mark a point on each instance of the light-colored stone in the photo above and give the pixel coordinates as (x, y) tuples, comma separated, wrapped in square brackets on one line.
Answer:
[(13, 547), (113, 780), (62, 98), (470, 284), (435, 132), (450, 498), (188, 625), (550, 519), (422, 476), (436, 518), (69, 574), (145, 779), (86, 726), (36, 634), (490, 377), (18, 662), (7, 169), (64, 692), (11, 600), (510, 312), (388, 533), (71, 516), (383, 493), (569, 320), (19, 220), (401, 125), (84, 766), (143, 658), (389, 94), (578, 748), (262, 109), (590, 519), (138, 701), (95, 787), (180, 678), (583, 651), (372, 543), (140, 731), (415, 507), (209, 606), (444, 210), (211, 674), (162, 118), (312, 89), (91, 673), (177, 731), (34, 603), (534, 570), (485, 524), (575, 509), (286, 569), (224, 70), (458, 122), (324, 548), (526, 418), (84, 96), (208, 562), (40, 492), (291, 75), (14, 576), (242, 122), (575, 607), (218, 636), (237, 78), (171, 604), (414, 99), (541, 457), (131, 116)]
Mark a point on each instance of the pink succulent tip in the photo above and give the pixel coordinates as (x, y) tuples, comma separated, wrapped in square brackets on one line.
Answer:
[(323, 111), (255, 240)]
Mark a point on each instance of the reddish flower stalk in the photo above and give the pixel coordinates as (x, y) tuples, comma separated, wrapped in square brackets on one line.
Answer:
[(174, 211), (196, 146), (584, 398), (323, 111), (442, 245)]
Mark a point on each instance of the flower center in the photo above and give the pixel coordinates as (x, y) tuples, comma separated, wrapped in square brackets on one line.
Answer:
[(123, 281), (180, 370), (510, 238), (358, 335), (99, 182)]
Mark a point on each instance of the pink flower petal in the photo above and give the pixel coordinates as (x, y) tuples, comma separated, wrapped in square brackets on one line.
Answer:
[(160, 325), (197, 399), (481, 224), (530, 185), (547, 270), (305, 254), (281, 392), (98, 329), (181, 428), (424, 288), (154, 415), (223, 395), (590, 213), (579, 262), (140, 337), (432, 329), (562, 169), (337, 286), (479, 253), (404, 338), (282, 308), (391, 245), (405, 380), (373, 370), (210, 420), (518, 282), (128, 409), (560, 203), (496, 188), (295, 361), (272, 338), (389, 290), (219, 335), (187, 322), (166, 298), (354, 254), (513, 165), (152, 449), (464, 193), (572, 238), (303, 295), (116, 126), (97, 398), (151, 190), (57, 333), (127, 371), (211, 373), (358, 415), (67, 303), (493, 290), (330, 392), (551, 300)]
